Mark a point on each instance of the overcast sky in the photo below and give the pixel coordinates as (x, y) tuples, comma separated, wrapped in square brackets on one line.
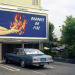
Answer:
[(58, 10)]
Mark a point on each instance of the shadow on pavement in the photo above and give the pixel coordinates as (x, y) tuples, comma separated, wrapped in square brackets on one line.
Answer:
[(27, 67)]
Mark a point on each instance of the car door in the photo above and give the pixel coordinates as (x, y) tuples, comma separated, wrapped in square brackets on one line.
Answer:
[(19, 55), (14, 55)]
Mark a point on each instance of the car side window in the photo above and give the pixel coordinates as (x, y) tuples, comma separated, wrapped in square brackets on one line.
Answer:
[(16, 51), (21, 52)]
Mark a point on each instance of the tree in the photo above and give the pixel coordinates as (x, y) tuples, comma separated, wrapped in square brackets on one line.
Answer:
[(68, 31), (51, 34)]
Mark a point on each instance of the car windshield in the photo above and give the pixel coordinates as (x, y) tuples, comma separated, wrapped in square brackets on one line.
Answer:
[(33, 51)]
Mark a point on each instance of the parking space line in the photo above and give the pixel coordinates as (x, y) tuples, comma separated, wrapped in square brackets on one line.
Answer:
[(50, 67), (39, 73), (9, 68)]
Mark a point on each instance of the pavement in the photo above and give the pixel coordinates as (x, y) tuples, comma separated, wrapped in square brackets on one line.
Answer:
[(56, 68)]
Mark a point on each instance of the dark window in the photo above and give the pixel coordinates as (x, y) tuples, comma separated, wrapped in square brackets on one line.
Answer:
[(34, 2)]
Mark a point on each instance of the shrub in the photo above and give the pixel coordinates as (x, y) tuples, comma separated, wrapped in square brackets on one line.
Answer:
[(72, 51), (65, 54), (49, 52)]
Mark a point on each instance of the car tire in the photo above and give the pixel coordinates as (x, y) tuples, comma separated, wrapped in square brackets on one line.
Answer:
[(41, 65), (6, 60), (22, 64)]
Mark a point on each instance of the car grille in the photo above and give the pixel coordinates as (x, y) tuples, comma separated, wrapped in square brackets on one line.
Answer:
[(42, 59)]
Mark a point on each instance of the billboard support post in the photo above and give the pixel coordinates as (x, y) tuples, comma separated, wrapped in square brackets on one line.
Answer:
[(0, 51), (40, 45), (22, 45)]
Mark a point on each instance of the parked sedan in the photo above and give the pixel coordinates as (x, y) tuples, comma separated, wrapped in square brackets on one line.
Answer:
[(28, 56)]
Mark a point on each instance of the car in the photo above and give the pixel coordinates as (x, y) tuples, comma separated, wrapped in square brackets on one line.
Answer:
[(56, 48), (28, 56)]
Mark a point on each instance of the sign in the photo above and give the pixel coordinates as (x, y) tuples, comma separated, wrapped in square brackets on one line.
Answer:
[(17, 24)]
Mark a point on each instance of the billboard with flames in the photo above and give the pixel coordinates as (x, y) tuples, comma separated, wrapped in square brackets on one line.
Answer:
[(18, 24)]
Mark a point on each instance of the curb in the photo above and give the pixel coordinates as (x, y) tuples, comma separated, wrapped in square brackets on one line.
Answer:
[(66, 60), (0, 62)]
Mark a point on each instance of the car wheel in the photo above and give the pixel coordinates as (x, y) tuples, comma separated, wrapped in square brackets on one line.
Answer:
[(6, 60), (23, 64), (41, 65)]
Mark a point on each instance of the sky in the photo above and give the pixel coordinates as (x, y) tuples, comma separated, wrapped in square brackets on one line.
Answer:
[(58, 10)]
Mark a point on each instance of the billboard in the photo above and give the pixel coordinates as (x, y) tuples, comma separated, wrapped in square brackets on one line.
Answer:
[(22, 25)]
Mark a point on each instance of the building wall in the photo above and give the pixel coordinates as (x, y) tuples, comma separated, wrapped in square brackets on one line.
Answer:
[(27, 3)]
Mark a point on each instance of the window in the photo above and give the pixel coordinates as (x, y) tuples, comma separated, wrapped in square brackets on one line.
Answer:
[(33, 51), (21, 52), (16, 51), (34, 2)]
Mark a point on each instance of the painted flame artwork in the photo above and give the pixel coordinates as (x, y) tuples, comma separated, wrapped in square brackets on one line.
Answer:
[(19, 24)]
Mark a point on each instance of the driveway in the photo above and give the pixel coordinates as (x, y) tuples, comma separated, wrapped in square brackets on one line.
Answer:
[(56, 68)]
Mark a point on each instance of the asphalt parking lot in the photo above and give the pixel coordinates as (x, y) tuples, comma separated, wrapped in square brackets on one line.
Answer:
[(56, 68)]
